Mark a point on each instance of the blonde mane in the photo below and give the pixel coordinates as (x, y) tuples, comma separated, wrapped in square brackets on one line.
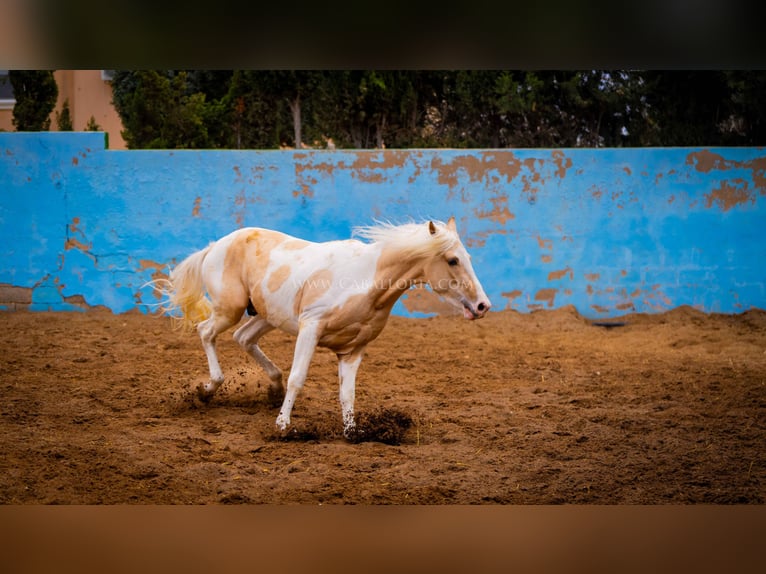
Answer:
[(411, 240)]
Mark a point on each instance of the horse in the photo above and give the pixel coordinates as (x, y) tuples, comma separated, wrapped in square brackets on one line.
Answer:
[(335, 294)]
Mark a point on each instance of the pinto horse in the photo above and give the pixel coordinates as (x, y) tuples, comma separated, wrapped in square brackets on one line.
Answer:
[(336, 294)]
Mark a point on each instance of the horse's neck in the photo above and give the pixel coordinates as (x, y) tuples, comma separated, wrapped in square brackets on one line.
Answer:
[(395, 274)]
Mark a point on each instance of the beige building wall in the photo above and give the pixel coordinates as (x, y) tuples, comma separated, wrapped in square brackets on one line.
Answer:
[(6, 114), (89, 95), (6, 119)]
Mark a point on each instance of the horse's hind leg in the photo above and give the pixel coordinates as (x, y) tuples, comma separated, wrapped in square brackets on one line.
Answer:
[(208, 330), (247, 336)]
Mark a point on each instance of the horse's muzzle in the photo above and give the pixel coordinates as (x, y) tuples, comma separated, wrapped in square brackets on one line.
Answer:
[(478, 311)]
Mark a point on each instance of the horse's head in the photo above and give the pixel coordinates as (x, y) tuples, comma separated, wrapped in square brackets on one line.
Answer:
[(451, 275)]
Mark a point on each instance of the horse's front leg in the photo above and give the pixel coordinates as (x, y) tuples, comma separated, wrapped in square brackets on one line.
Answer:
[(348, 364), (308, 336)]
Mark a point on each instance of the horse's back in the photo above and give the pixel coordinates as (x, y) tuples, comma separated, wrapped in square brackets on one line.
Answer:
[(233, 259)]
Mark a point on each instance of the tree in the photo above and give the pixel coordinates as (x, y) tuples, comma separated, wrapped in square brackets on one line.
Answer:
[(364, 109), (92, 125), (162, 110), (297, 89), (254, 116), (35, 92), (462, 108), (64, 119), (744, 121), (686, 107)]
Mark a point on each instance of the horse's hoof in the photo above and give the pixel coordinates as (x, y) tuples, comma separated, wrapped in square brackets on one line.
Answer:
[(282, 423), (351, 432), (204, 395), (275, 396)]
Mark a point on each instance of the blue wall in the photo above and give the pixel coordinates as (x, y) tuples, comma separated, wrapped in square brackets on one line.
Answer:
[(609, 231)]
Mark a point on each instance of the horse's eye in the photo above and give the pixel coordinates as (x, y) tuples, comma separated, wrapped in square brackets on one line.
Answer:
[(453, 261)]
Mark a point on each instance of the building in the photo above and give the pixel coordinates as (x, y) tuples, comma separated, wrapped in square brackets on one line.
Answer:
[(89, 93)]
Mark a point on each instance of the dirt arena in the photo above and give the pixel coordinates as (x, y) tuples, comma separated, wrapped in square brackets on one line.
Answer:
[(540, 408)]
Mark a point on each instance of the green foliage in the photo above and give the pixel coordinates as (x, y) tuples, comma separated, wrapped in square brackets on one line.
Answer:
[(462, 109), (162, 111), (744, 119), (92, 126), (685, 106), (257, 115), (64, 118), (35, 92)]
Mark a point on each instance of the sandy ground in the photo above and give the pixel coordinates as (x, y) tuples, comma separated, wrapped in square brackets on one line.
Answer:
[(540, 408)]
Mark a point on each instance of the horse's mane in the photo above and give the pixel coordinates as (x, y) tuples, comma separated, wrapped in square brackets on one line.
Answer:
[(410, 239)]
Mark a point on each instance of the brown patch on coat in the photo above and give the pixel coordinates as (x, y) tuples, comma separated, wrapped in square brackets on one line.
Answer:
[(255, 255), (264, 240), (361, 318), (278, 277), (294, 244), (232, 300), (316, 285)]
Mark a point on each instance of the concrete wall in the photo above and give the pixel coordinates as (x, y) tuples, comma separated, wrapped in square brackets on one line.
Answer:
[(609, 231)]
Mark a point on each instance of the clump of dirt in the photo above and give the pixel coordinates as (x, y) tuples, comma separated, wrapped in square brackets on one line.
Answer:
[(307, 432), (383, 424), (323, 427)]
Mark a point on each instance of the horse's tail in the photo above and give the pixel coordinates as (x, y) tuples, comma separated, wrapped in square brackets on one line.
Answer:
[(186, 292)]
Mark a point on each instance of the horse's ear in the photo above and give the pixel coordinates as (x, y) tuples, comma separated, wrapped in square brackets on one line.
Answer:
[(451, 224), (431, 228)]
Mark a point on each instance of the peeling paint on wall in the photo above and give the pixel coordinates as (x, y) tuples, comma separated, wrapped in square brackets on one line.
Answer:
[(556, 275), (422, 300), (499, 212), (608, 231), (728, 196), (546, 295), (707, 161), (197, 205)]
